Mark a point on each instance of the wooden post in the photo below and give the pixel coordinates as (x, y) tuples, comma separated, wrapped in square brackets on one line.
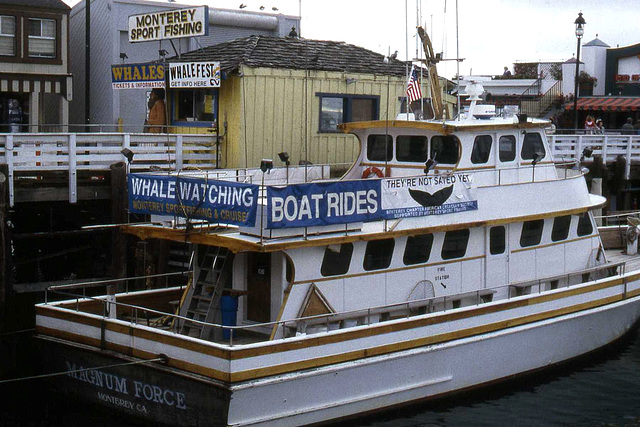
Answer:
[(6, 265), (118, 216)]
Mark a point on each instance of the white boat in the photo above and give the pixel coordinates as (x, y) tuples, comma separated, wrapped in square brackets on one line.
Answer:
[(470, 258)]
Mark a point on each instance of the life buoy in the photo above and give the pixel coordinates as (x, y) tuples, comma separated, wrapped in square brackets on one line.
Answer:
[(372, 169)]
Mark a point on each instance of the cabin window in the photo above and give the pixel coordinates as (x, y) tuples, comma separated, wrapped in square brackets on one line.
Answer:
[(455, 244), (497, 241), (418, 249), (337, 259), (532, 146), (531, 233), (507, 146), (378, 254), (481, 149), (7, 35), (560, 230), (585, 227), (445, 149), (336, 109), (380, 147), (42, 38), (412, 148)]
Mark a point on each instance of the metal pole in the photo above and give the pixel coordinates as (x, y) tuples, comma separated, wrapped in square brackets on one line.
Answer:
[(87, 63), (576, 88)]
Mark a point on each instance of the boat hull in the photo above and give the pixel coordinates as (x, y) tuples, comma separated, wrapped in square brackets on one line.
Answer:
[(169, 396), (149, 391)]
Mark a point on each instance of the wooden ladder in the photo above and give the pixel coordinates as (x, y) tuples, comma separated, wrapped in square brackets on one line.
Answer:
[(203, 297)]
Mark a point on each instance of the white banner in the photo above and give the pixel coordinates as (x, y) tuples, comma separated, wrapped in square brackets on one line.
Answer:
[(427, 195), (169, 24), (194, 74)]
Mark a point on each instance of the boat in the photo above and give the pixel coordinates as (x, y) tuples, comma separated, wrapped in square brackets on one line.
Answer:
[(453, 254)]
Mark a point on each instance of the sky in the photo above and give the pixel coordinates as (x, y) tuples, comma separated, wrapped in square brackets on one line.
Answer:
[(491, 34)]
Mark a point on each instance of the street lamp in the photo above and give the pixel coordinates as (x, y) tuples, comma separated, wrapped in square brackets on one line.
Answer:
[(580, 22)]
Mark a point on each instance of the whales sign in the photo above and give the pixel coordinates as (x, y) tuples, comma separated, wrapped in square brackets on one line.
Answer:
[(212, 200)]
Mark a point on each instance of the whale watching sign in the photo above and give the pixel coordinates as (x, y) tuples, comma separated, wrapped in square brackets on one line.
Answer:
[(169, 24), (212, 200), (137, 76)]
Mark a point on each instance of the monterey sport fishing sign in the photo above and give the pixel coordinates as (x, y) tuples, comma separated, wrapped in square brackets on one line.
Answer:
[(340, 202), (212, 200)]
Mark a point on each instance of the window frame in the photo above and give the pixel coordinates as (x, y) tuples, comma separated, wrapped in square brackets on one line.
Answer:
[(511, 139), (478, 142), (214, 92), (14, 36), (583, 220), (346, 251), (492, 245), (418, 255), (380, 260), (407, 159), (455, 252), (555, 228), (530, 148), (30, 37), (434, 155), (347, 113), (24, 38), (527, 236), (389, 145)]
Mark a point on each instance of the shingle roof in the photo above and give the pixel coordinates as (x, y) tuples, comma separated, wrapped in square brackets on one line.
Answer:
[(295, 53), (44, 4)]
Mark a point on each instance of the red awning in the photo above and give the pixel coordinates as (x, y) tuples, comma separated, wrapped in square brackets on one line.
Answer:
[(607, 103)]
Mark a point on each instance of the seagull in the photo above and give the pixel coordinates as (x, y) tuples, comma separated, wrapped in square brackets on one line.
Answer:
[(394, 55), (261, 7), (274, 8), (242, 5)]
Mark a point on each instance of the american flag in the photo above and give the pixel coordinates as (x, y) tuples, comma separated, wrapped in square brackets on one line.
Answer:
[(413, 87)]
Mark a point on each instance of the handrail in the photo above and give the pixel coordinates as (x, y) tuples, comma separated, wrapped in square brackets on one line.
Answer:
[(359, 313)]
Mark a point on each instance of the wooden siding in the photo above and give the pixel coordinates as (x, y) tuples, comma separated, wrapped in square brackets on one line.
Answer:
[(282, 112)]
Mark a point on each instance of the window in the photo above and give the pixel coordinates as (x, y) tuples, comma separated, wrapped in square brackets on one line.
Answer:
[(380, 147), (378, 254), (444, 149), (455, 244), (42, 38), (560, 230), (195, 105), (412, 148), (497, 241), (584, 225), (531, 233), (7, 35), (507, 145), (418, 249), (336, 109), (481, 149), (532, 146), (336, 259)]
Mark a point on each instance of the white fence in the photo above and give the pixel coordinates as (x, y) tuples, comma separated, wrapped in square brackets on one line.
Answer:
[(74, 152), (609, 147)]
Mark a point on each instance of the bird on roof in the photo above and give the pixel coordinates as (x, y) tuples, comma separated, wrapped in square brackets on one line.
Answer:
[(261, 7), (242, 5), (274, 8)]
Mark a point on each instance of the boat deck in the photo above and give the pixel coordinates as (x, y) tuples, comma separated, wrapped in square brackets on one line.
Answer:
[(619, 255)]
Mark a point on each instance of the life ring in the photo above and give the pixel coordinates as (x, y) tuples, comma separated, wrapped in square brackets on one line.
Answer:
[(372, 169)]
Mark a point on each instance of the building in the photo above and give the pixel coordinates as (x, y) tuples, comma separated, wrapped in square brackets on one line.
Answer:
[(288, 94), (35, 80), (110, 45)]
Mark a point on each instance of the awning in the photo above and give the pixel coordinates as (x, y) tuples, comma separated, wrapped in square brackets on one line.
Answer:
[(607, 103)]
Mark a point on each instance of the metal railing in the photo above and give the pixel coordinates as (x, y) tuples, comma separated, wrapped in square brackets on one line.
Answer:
[(367, 316)]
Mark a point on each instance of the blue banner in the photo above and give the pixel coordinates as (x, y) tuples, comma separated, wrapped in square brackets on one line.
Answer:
[(215, 201), (306, 205)]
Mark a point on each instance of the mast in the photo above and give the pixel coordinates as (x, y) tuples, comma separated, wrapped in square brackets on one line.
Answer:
[(434, 84)]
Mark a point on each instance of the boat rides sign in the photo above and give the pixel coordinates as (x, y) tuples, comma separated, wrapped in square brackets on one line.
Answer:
[(340, 202), (212, 200)]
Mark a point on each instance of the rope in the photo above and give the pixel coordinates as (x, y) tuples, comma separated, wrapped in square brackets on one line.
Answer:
[(57, 374), (4, 334)]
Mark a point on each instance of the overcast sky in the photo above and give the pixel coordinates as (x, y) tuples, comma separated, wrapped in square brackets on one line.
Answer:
[(491, 33)]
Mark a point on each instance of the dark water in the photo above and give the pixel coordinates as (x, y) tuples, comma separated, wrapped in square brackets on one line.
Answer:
[(602, 389)]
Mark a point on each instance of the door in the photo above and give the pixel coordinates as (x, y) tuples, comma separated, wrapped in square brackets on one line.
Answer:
[(259, 287), (497, 259)]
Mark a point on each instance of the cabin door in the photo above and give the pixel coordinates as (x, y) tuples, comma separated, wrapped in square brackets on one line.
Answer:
[(259, 287), (497, 259)]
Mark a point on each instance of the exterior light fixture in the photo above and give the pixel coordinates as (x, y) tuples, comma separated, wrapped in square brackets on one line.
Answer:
[(580, 23)]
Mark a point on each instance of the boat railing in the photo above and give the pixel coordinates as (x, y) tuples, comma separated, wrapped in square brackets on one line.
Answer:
[(619, 218), (307, 325)]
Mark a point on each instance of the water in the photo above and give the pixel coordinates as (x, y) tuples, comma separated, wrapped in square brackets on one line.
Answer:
[(598, 390)]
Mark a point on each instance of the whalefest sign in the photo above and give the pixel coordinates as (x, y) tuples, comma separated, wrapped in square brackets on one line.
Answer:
[(302, 205), (169, 24), (137, 76), (194, 74)]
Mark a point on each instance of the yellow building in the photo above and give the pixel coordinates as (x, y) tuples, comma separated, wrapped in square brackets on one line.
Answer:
[(287, 94)]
